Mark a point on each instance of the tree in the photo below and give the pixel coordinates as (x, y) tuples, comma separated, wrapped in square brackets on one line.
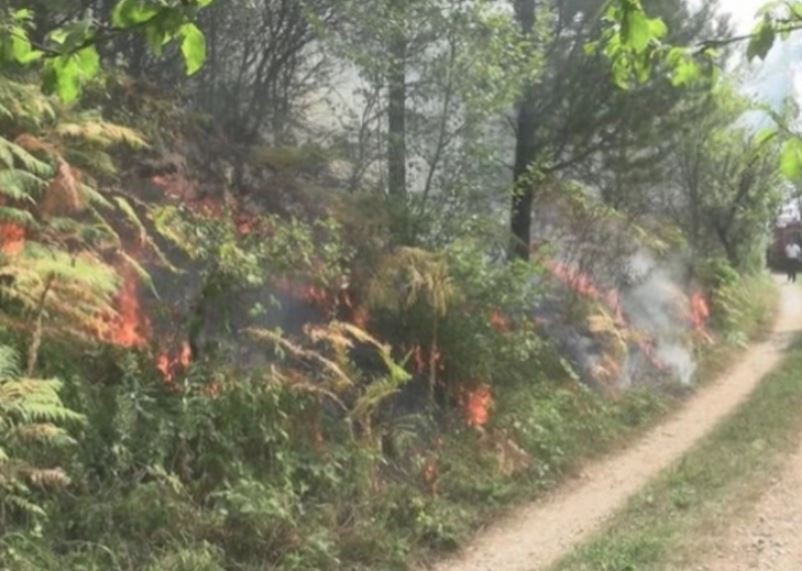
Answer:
[(726, 182), (576, 116), (438, 74), (526, 150)]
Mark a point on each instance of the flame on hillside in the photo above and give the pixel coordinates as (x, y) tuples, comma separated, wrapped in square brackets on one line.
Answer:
[(130, 327), (581, 284), (658, 353), (356, 314), (309, 293), (172, 365), (476, 405), (700, 314), (12, 238), (500, 322), (422, 360)]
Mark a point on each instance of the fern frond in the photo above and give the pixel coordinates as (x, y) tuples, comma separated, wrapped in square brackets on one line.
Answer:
[(17, 216), (102, 133), (18, 184), (9, 362), (91, 160), (24, 505), (14, 155), (410, 275), (95, 198), (49, 478)]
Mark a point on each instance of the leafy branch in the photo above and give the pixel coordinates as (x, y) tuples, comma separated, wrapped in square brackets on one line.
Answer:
[(69, 54)]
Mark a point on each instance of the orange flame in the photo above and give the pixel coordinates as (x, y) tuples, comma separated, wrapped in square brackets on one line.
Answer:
[(311, 294), (355, 313), (130, 327), (500, 322), (700, 310), (12, 238), (421, 360), (315, 295), (170, 367), (647, 347), (580, 283), (699, 314), (360, 317), (476, 406)]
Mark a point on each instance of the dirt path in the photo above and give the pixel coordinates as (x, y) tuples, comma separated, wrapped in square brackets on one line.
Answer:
[(771, 538), (537, 535)]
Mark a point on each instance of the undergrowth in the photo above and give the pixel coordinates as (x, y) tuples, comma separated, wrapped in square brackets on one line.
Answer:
[(673, 522), (241, 481)]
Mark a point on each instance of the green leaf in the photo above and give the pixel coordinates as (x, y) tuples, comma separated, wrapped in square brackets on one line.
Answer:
[(88, 62), (155, 39), (657, 28), (685, 72), (129, 13), (193, 47), (635, 30), (765, 135), (64, 74), (21, 49), (762, 40), (22, 15), (791, 160)]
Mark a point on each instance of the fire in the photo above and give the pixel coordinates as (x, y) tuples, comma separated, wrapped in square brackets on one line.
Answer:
[(500, 322), (12, 238), (649, 350), (607, 370), (699, 315), (171, 366), (700, 310), (580, 283), (430, 472), (309, 293), (315, 295), (476, 406), (354, 313), (130, 327), (421, 360), (574, 279), (360, 317), (246, 224)]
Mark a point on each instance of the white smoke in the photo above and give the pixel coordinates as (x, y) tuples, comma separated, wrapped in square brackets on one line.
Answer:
[(656, 305)]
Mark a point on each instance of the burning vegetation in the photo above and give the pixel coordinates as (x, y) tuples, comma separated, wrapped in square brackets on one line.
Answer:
[(641, 324), (130, 326), (12, 238)]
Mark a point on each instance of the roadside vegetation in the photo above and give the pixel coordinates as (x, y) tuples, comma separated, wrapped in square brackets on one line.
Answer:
[(665, 525), (250, 320)]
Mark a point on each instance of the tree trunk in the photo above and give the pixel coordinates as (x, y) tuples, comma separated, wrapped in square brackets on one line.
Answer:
[(525, 152), (397, 135), (38, 326)]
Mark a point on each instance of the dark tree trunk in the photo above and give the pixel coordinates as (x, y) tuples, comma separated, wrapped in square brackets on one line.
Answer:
[(525, 152), (397, 135)]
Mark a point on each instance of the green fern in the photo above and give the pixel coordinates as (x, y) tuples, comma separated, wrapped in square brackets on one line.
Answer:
[(20, 185), (54, 166), (31, 412), (13, 155)]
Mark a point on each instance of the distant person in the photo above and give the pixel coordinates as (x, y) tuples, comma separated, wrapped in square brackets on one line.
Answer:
[(793, 255)]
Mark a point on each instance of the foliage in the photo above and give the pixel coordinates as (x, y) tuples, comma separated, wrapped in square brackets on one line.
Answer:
[(70, 52), (61, 270), (323, 378), (633, 42), (675, 520), (31, 421)]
